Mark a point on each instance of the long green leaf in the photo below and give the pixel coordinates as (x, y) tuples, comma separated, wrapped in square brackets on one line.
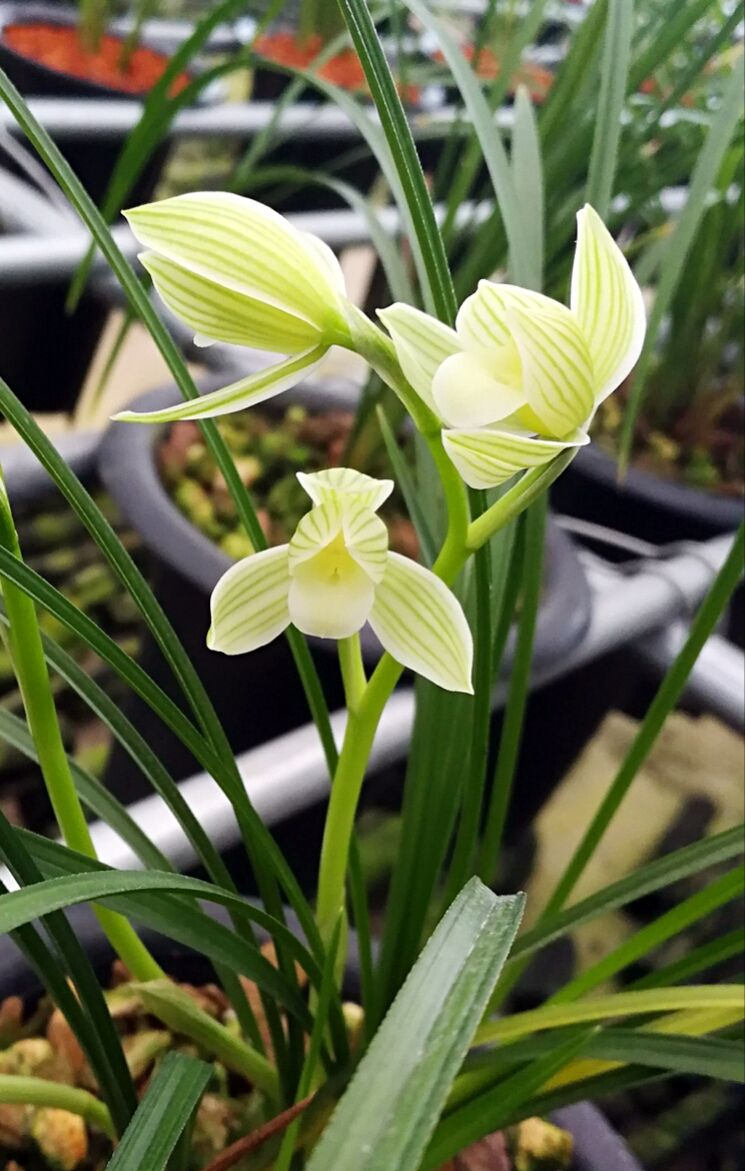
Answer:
[(498, 1106), (678, 246), (618, 1004), (163, 1114), (180, 1013), (84, 1007), (394, 1100), (663, 703), (608, 120), (94, 795), (705, 1056), (521, 262), (653, 876), (403, 151), (689, 911), (527, 170)]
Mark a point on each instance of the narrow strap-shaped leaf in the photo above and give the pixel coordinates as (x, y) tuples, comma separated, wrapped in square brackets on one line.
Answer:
[(163, 1114), (405, 480), (403, 150), (498, 1105), (613, 79), (109, 650), (104, 885), (680, 241), (691, 910), (394, 1100), (522, 262), (85, 1007), (619, 1004), (527, 171), (654, 876), (180, 1013), (705, 1056), (94, 795)]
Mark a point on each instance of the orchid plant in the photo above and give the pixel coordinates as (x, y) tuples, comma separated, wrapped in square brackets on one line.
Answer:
[(501, 394)]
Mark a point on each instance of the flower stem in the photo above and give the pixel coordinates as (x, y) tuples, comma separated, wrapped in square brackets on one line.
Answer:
[(528, 488), (352, 671), (17, 1090), (27, 655)]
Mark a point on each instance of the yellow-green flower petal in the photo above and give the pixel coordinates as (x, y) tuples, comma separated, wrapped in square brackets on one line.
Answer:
[(330, 596), (422, 344), (607, 303), (481, 323), (420, 622), (247, 392), (249, 603), (468, 394), (246, 247), (487, 457), (219, 314), (334, 482), (556, 372), (315, 530), (365, 536)]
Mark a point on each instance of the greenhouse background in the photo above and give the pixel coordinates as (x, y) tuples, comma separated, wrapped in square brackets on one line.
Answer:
[(173, 819)]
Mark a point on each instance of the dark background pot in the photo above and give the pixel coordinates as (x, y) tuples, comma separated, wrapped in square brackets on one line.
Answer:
[(49, 376), (644, 505), (597, 1146), (258, 697)]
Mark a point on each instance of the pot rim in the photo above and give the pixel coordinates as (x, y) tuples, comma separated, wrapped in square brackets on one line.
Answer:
[(12, 12), (668, 495), (126, 457)]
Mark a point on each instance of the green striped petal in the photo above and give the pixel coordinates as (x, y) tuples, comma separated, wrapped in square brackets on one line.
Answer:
[(556, 370), (247, 392), (607, 303), (216, 313), (249, 603), (246, 247), (365, 537), (488, 457), (317, 529), (334, 482), (481, 323), (422, 344), (421, 624), (556, 375)]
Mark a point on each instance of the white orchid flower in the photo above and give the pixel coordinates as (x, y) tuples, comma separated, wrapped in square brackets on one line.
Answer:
[(336, 574), (520, 377), (235, 271)]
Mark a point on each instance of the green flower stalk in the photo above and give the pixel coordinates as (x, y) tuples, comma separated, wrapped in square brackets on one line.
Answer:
[(27, 654)]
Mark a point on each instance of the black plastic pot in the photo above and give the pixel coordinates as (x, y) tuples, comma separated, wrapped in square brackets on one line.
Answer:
[(597, 1147), (47, 374), (644, 505), (258, 697)]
